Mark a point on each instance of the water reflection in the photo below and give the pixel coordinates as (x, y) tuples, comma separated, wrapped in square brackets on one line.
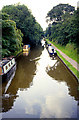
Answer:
[(60, 73), (22, 79), (41, 88), (6, 97), (26, 53)]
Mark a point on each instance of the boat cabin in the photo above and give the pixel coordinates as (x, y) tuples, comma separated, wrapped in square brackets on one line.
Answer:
[(26, 48), (51, 50), (6, 65)]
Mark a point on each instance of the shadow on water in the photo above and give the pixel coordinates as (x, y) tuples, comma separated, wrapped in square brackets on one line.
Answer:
[(25, 71)]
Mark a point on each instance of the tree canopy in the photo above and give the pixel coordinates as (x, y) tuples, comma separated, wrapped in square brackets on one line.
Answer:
[(11, 37), (18, 27), (26, 22), (67, 28), (59, 10)]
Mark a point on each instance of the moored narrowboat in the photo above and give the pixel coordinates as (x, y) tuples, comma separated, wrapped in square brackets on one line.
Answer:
[(26, 48), (51, 50), (7, 66)]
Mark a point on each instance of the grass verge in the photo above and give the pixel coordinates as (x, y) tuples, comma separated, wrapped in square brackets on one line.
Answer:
[(69, 65), (70, 50), (76, 72)]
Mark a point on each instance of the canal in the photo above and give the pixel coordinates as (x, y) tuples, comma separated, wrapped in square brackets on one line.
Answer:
[(40, 87)]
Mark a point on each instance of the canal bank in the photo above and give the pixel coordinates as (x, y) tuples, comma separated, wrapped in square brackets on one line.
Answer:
[(68, 68), (18, 55), (71, 64)]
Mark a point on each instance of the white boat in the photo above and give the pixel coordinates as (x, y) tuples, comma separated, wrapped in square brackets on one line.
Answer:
[(43, 43), (51, 50), (6, 66)]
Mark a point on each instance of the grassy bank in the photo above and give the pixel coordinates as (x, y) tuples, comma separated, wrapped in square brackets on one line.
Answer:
[(69, 52), (69, 65)]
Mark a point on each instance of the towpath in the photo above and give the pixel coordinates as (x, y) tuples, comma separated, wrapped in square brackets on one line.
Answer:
[(71, 61)]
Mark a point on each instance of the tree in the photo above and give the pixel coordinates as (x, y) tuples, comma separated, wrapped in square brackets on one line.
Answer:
[(25, 21), (66, 30), (5, 16), (55, 14), (11, 38)]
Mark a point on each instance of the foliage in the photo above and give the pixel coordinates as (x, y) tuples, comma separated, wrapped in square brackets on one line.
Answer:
[(59, 10), (11, 38), (26, 22), (5, 16), (70, 50), (67, 28), (18, 27)]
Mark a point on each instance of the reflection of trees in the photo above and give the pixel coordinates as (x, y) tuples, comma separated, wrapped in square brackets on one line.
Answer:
[(60, 73), (25, 71)]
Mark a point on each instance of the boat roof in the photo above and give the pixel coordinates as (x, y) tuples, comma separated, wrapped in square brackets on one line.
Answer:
[(27, 45), (3, 62), (51, 46)]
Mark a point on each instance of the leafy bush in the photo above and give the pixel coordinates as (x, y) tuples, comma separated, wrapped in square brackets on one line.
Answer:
[(11, 38)]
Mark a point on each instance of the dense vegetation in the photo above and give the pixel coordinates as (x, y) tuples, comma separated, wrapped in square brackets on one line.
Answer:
[(63, 26), (18, 26), (11, 37)]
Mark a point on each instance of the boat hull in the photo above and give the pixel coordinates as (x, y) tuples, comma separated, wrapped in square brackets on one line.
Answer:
[(8, 74)]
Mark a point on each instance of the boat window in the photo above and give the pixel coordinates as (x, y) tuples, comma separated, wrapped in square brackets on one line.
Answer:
[(9, 64), (6, 67), (2, 70)]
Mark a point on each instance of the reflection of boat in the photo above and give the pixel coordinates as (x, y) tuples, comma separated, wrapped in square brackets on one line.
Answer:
[(22, 80), (25, 53), (9, 81), (7, 66), (26, 48)]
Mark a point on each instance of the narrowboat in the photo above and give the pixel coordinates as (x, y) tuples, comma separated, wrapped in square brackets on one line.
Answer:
[(7, 66), (51, 50), (26, 48)]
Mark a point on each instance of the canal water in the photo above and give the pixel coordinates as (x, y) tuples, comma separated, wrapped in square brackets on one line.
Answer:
[(40, 87)]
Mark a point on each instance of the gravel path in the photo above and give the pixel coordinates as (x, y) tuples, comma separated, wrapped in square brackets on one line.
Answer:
[(72, 62)]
